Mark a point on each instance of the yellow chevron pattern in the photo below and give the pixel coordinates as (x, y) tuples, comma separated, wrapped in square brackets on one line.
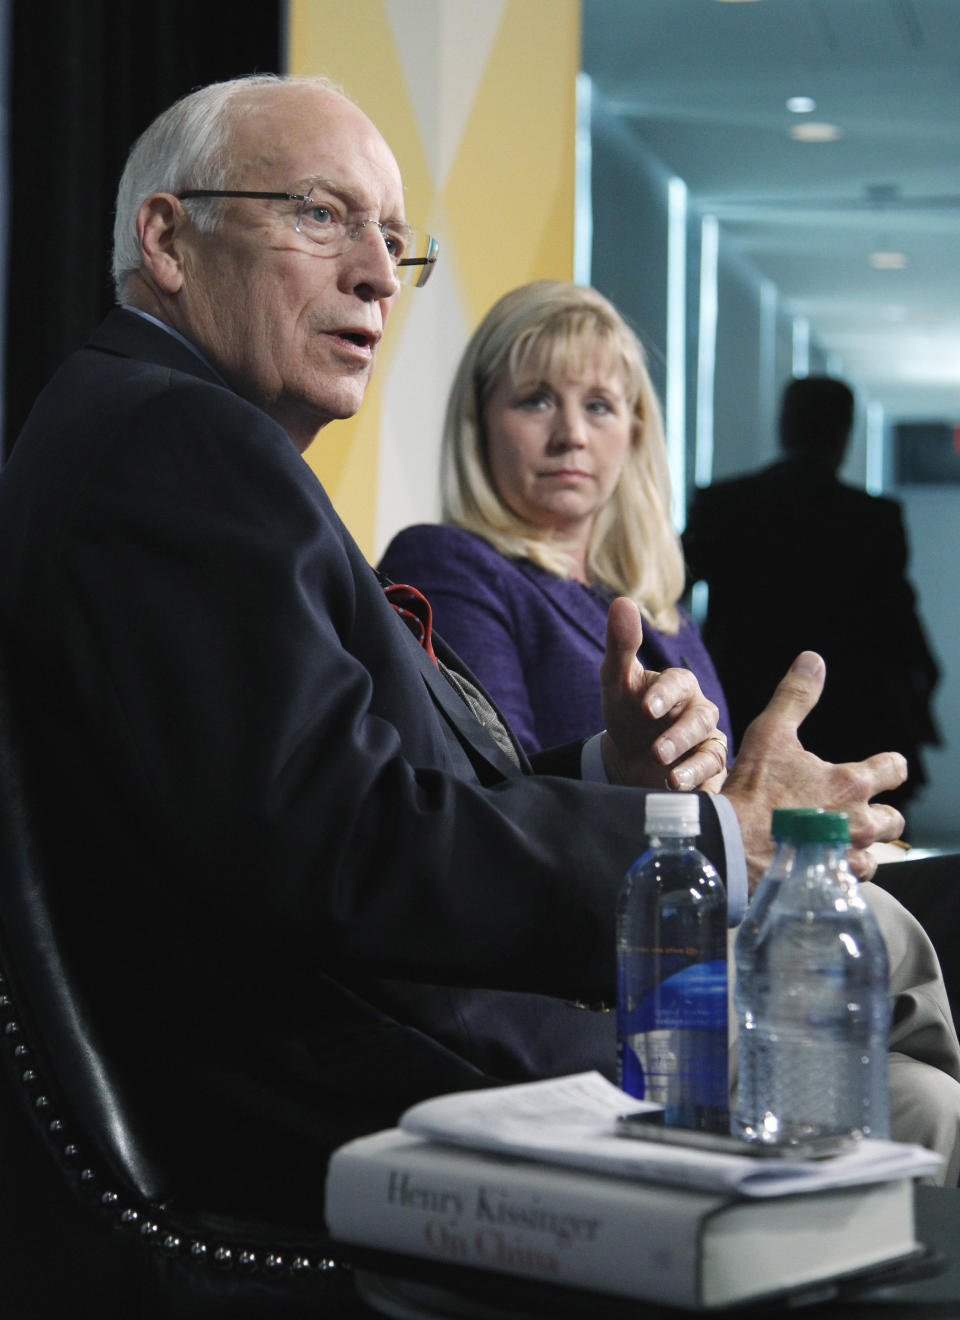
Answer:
[(477, 100)]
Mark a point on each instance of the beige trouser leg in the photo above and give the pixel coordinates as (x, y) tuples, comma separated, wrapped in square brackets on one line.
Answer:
[(924, 1052)]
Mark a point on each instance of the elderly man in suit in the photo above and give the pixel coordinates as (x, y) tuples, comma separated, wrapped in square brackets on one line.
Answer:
[(304, 883)]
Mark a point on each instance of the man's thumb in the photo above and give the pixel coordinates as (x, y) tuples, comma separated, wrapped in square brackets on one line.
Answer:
[(799, 690), (624, 633)]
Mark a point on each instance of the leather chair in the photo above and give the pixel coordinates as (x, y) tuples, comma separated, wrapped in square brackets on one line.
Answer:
[(90, 1218)]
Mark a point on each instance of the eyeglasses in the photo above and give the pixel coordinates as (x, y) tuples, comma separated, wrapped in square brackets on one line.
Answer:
[(322, 220)]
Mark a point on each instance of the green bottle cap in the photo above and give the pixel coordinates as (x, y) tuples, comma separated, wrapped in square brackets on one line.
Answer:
[(811, 825)]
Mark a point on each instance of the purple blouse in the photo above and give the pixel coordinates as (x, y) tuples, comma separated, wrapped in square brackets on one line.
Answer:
[(534, 640)]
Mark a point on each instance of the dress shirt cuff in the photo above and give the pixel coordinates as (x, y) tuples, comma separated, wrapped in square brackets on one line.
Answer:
[(592, 768), (591, 761), (737, 891)]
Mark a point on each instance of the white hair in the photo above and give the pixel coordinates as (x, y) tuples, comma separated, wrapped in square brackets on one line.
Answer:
[(187, 146)]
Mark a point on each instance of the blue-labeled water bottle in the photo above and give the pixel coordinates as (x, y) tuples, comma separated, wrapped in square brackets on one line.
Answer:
[(672, 972), (812, 993)]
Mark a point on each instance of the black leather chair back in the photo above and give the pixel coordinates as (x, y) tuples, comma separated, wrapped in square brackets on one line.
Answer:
[(88, 1215)]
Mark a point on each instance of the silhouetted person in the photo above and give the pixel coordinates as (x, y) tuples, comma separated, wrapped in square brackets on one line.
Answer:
[(794, 558)]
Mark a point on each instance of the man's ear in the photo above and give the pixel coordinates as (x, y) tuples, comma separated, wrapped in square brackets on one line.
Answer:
[(161, 224)]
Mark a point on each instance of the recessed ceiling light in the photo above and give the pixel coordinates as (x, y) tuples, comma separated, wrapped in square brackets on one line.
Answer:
[(801, 105), (889, 260), (814, 132)]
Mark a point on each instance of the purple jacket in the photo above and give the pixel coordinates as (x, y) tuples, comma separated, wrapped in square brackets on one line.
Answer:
[(535, 641)]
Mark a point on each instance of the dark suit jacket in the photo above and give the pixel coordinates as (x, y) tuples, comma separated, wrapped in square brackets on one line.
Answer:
[(284, 850), (797, 560), (535, 640)]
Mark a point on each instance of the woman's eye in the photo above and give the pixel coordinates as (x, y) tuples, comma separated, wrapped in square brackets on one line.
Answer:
[(533, 402), (600, 406)]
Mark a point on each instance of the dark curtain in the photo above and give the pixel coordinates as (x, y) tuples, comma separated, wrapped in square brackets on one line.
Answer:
[(5, 14), (86, 78)]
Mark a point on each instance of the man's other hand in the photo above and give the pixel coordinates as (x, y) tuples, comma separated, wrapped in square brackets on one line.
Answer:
[(772, 769), (661, 731)]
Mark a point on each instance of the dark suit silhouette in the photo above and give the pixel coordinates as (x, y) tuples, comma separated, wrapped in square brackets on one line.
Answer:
[(796, 560)]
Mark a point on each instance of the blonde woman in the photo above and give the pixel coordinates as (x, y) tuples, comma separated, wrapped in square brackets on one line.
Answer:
[(555, 500)]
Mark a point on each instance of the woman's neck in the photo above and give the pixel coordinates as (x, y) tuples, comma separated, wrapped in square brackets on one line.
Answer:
[(573, 543)]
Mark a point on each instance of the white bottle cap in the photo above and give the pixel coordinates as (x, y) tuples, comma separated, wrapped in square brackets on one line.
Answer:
[(673, 814)]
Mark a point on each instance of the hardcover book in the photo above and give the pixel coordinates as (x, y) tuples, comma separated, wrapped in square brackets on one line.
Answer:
[(678, 1246), (532, 1181)]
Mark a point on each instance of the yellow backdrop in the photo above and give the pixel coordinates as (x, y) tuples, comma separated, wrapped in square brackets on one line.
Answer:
[(477, 100)]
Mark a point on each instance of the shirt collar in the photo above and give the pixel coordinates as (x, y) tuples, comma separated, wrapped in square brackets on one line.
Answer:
[(162, 325)]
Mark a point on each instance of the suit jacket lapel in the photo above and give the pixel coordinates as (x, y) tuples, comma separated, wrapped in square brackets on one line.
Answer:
[(480, 747)]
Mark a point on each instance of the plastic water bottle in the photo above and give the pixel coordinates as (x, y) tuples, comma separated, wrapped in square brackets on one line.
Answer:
[(812, 993), (672, 972), (784, 855)]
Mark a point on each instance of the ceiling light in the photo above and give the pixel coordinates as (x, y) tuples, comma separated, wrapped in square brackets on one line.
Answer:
[(889, 260), (814, 132), (801, 105)]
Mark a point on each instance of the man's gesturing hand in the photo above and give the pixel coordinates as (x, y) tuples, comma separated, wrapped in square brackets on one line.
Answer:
[(661, 730), (773, 770)]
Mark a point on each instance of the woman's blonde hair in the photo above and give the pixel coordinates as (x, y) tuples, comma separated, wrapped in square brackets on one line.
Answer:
[(537, 333)]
